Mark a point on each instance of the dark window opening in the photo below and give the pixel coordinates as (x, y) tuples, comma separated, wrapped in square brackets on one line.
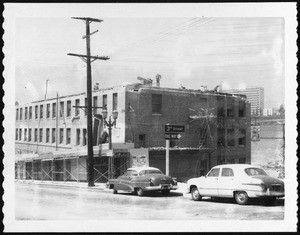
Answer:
[(54, 110), (230, 137), (77, 103), (21, 111), (104, 101), (242, 137), (115, 101), (53, 135), (84, 137), (62, 109), (68, 135), (68, 108), (61, 135), (77, 136), (30, 112), (29, 134), (35, 134), (142, 140), (41, 134), (95, 104), (221, 137), (26, 111), (41, 111), (47, 135), (156, 104), (48, 111)]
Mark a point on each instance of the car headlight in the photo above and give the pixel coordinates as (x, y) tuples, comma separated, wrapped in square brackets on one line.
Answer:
[(263, 187)]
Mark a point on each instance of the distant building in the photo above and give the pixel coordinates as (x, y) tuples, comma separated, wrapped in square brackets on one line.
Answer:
[(255, 95), (52, 132), (268, 112)]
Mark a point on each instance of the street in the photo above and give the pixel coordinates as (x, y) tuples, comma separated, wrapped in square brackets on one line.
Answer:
[(43, 202)]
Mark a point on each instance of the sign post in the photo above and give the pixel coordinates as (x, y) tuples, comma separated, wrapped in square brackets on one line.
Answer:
[(171, 133)]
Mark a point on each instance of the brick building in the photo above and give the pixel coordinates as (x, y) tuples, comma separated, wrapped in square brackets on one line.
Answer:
[(51, 134)]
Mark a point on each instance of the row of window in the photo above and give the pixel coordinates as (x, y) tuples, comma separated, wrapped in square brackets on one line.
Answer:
[(37, 135), (229, 111), (52, 109), (231, 136)]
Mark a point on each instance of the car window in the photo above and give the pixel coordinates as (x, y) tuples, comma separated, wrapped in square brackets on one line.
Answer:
[(214, 172), (134, 173), (142, 173), (153, 171), (255, 171), (227, 172)]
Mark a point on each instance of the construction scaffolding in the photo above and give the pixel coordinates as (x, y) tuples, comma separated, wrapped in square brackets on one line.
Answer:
[(70, 168)]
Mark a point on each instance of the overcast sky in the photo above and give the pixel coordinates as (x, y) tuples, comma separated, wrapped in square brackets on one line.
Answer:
[(237, 52)]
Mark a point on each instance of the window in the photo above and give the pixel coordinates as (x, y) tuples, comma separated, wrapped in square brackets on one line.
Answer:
[(214, 172), (255, 171), (142, 140), (230, 137), (85, 106), (54, 110), (61, 135), (68, 108), (242, 137), (242, 109), (53, 135), (115, 101), (41, 134), (35, 134), (20, 134), (77, 103), (77, 136), (26, 112), (230, 112), (17, 134), (68, 135), (47, 135), (156, 103), (30, 112), (104, 101), (221, 137), (36, 109), (227, 172), (95, 104), (21, 110), (17, 114), (62, 109), (25, 134), (48, 111), (41, 111), (29, 134), (84, 137)]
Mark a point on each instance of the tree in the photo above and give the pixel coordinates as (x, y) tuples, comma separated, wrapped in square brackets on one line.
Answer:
[(281, 110)]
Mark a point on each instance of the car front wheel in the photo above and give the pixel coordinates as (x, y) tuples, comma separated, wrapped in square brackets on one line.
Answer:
[(140, 192), (195, 194), (241, 198)]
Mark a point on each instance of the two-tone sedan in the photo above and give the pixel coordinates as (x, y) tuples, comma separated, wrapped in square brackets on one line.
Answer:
[(239, 181), (139, 180)]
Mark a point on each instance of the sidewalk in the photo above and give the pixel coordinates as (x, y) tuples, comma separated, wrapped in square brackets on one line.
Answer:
[(98, 186)]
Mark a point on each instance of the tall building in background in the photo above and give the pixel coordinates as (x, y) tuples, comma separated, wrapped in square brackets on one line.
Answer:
[(255, 96)]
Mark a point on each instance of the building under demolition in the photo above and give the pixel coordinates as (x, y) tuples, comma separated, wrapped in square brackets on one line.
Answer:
[(51, 134)]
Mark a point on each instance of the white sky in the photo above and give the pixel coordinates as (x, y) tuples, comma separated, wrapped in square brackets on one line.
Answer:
[(237, 52)]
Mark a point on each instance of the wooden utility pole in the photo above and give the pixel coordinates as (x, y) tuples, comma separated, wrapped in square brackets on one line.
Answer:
[(87, 58)]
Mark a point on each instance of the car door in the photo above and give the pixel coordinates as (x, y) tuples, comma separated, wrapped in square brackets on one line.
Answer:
[(226, 182), (125, 180), (209, 185)]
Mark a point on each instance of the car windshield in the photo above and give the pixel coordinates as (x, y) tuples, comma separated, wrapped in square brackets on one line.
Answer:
[(255, 171)]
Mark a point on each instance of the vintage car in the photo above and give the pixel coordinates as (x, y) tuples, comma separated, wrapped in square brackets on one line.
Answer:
[(239, 181), (138, 180)]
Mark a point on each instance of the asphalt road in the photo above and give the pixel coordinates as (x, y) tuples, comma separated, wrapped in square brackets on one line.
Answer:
[(42, 202)]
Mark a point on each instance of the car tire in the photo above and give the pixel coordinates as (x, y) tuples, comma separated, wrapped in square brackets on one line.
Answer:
[(115, 191), (241, 197), (165, 192), (195, 194), (140, 192)]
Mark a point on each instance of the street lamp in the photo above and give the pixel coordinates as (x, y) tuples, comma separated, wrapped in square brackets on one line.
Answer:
[(110, 124)]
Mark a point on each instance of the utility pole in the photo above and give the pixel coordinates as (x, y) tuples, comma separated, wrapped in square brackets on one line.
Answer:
[(87, 58)]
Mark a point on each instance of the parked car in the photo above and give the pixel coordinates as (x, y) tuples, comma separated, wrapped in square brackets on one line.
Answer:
[(239, 181), (142, 179)]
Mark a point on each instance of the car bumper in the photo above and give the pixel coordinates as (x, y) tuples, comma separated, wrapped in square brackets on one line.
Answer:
[(269, 193), (161, 187)]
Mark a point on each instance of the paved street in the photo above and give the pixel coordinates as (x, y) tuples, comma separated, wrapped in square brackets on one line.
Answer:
[(43, 202)]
